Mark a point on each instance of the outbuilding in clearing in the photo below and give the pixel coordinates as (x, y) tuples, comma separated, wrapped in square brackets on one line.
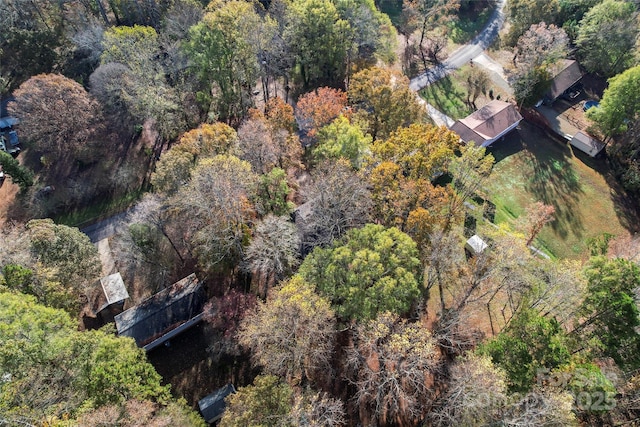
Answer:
[(587, 144)]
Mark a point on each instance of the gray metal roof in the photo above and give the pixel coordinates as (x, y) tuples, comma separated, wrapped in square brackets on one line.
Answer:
[(213, 405), (162, 312), (113, 288)]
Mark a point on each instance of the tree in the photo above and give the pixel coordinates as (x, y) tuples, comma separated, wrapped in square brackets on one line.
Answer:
[(342, 139), (292, 334), (319, 40), (33, 41), (257, 146), (524, 13), (225, 60), (609, 310), (537, 216), (58, 118), (529, 343), (336, 200), (143, 88), (55, 369), (271, 403), (432, 13), (273, 192), (55, 263), (318, 108), (469, 171), (373, 34), (272, 254), (537, 50), (19, 174), (413, 205), (280, 115), (541, 407), (475, 395), (477, 82), (173, 170), (370, 271), (620, 103), (267, 402), (390, 363), (218, 205), (135, 413), (607, 37), (421, 150), (384, 101), (147, 248)]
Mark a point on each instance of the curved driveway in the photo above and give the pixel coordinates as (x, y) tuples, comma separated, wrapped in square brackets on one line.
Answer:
[(465, 53)]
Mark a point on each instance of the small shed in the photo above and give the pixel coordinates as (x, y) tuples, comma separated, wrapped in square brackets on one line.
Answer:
[(164, 314), (587, 144), (475, 245), (114, 290), (213, 405)]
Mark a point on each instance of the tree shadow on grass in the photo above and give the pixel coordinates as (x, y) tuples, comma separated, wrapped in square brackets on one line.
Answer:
[(553, 180), (445, 97), (626, 207), (505, 147)]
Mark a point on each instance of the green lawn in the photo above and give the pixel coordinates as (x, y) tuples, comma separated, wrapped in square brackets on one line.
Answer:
[(588, 201), (449, 96)]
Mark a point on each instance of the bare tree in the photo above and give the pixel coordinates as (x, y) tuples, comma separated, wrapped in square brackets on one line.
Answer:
[(317, 410), (537, 216), (215, 209), (390, 363), (476, 394), (273, 253), (337, 199), (541, 407), (257, 146)]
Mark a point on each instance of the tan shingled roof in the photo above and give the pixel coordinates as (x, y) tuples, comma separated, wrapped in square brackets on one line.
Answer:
[(488, 122)]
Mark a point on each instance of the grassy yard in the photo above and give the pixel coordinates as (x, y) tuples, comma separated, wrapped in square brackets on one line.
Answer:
[(449, 95), (588, 201)]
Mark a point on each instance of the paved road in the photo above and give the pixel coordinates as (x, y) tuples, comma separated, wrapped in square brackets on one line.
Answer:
[(105, 228), (465, 53)]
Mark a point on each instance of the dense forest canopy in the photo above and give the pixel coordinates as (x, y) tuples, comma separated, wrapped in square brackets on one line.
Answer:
[(279, 150)]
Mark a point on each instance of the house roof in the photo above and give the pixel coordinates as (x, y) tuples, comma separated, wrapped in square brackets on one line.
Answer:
[(488, 123), (566, 73), (162, 312), (213, 405), (586, 143), (113, 288)]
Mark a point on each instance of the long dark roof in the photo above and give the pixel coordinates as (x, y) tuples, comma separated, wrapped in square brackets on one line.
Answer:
[(162, 312), (566, 73)]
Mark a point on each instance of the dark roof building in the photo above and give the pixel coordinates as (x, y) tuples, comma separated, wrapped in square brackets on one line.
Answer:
[(566, 73), (163, 315), (488, 124), (213, 405)]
